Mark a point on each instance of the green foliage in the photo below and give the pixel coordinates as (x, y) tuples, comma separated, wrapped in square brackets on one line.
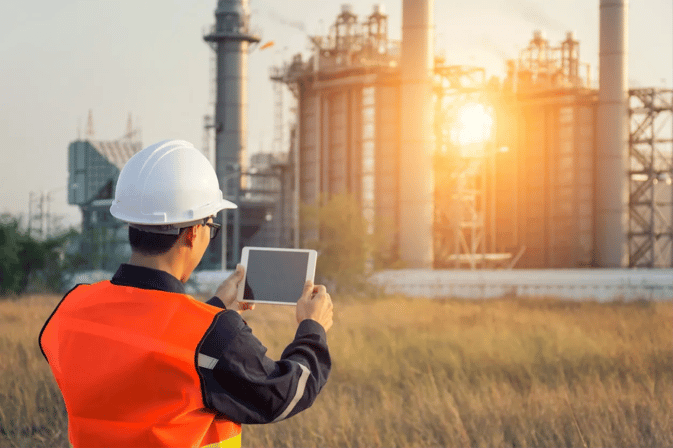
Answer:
[(10, 248), (347, 252), (25, 261)]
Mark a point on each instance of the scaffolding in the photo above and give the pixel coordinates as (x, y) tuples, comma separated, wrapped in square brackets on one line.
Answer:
[(650, 236)]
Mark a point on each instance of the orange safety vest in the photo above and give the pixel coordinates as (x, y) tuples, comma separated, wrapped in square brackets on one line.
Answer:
[(125, 361)]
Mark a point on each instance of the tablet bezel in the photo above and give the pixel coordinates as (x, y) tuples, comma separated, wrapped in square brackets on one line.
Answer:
[(310, 271)]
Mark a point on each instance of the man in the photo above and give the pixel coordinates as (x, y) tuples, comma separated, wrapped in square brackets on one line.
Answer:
[(139, 362)]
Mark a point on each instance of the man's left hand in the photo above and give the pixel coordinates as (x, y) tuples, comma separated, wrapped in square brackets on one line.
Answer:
[(228, 290)]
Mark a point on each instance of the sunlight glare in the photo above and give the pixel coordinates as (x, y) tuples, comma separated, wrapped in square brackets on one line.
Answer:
[(473, 125)]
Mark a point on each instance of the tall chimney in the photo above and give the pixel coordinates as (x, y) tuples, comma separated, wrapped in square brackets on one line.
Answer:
[(612, 157), (416, 162), (230, 38)]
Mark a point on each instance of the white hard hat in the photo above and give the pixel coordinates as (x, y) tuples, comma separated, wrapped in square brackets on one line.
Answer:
[(167, 186)]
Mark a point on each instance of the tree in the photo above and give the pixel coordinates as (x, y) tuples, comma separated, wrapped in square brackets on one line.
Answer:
[(347, 251), (10, 249), (25, 260)]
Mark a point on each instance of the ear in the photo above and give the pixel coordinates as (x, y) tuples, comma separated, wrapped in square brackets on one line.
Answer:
[(188, 236)]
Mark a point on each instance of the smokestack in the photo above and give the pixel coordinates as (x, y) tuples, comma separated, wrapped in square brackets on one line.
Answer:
[(612, 158), (230, 39), (416, 163)]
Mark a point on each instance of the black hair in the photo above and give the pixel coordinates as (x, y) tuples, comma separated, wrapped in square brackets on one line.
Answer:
[(148, 243)]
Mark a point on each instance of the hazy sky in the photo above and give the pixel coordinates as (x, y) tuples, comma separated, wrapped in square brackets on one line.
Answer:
[(58, 59)]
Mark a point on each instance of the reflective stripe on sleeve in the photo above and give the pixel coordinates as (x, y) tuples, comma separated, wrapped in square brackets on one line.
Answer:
[(301, 385), (233, 442), (207, 362)]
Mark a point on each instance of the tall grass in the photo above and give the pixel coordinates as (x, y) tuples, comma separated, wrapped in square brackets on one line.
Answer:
[(516, 372), (32, 413)]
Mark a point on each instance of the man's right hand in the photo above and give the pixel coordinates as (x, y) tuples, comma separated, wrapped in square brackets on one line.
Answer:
[(315, 303)]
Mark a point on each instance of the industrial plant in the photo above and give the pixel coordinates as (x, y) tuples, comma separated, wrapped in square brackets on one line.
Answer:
[(456, 170)]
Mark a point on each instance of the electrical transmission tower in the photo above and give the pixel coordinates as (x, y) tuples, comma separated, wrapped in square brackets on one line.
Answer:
[(39, 214)]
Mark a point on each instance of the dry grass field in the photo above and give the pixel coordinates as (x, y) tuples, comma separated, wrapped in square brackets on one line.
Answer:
[(436, 373)]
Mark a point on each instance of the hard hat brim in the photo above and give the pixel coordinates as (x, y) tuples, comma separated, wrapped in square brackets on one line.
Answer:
[(161, 219)]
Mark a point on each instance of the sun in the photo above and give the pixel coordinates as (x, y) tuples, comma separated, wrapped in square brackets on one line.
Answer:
[(472, 127)]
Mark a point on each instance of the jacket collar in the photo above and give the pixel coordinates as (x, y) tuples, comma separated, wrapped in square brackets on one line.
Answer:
[(147, 278)]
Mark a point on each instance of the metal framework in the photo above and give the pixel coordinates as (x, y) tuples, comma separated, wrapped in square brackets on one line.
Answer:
[(542, 66), (650, 234), (460, 234), (543, 93), (39, 216)]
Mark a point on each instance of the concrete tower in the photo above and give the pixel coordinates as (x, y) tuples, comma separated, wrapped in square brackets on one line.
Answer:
[(612, 195), (416, 166), (230, 38)]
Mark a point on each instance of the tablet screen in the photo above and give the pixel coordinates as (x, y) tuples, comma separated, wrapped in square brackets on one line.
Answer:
[(275, 276)]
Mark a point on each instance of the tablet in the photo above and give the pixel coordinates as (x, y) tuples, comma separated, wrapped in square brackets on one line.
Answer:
[(275, 276)]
